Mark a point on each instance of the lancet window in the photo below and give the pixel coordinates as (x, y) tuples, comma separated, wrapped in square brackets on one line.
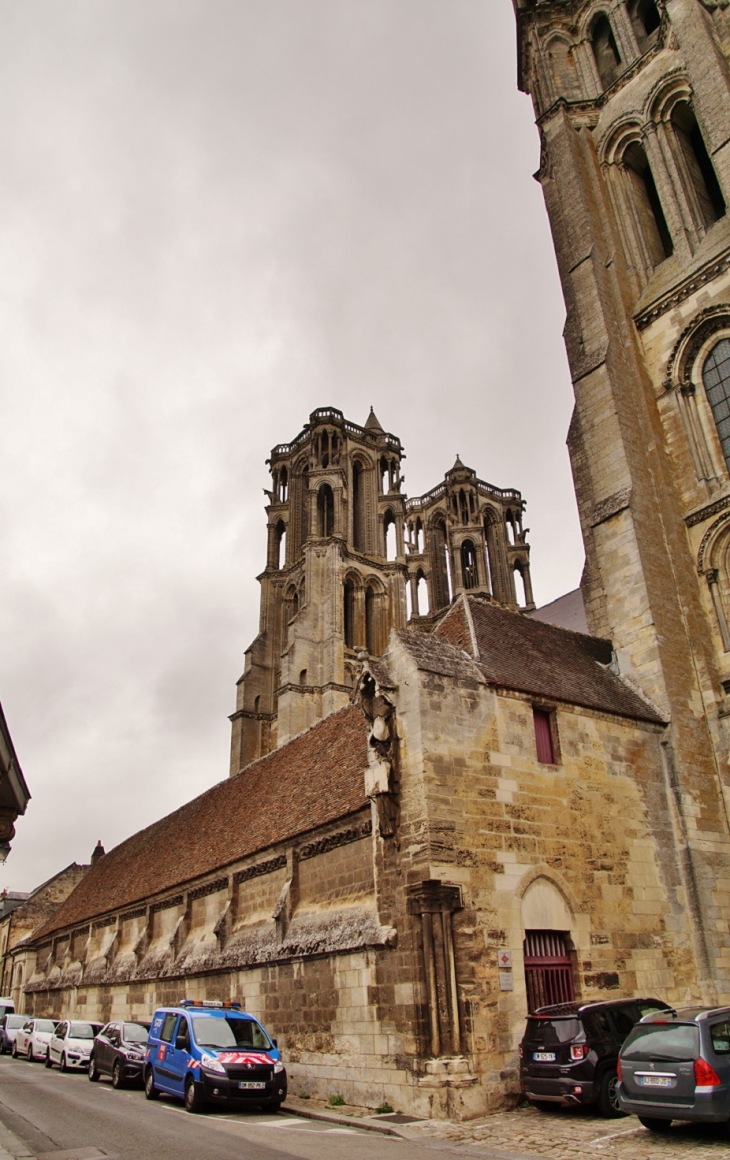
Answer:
[(605, 50), (326, 510)]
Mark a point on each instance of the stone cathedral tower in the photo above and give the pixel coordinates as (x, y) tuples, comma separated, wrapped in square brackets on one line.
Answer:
[(344, 545), (632, 99)]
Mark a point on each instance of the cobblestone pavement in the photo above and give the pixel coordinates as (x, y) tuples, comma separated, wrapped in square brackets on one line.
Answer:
[(567, 1133), (563, 1134)]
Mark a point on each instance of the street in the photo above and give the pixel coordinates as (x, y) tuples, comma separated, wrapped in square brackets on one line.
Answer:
[(54, 1112)]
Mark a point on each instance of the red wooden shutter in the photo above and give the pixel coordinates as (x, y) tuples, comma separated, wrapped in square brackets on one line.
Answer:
[(543, 737)]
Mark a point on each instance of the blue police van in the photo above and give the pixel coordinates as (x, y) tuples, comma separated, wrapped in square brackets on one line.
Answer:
[(213, 1052)]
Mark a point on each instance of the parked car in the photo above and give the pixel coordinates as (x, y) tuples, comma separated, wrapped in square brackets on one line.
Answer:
[(33, 1037), (213, 1052), (675, 1065), (9, 1027), (569, 1052), (119, 1051), (71, 1043), (7, 1006)]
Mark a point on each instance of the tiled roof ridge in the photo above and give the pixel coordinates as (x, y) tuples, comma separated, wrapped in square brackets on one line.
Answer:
[(295, 737), (486, 601)]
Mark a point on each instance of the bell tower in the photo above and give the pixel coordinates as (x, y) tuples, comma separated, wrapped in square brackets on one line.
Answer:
[(334, 580), (632, 101)]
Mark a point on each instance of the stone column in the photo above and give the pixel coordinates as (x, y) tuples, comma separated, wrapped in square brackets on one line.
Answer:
[(434, 902), (711, 576)]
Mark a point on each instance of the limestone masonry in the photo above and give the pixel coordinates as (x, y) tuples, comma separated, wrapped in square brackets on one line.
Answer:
[(446, 807)]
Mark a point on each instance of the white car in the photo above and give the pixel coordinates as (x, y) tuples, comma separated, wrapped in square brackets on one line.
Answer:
[(71, 1044), (33, 1038)]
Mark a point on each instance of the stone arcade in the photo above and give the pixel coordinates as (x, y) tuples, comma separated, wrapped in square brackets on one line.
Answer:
[(435, 821)]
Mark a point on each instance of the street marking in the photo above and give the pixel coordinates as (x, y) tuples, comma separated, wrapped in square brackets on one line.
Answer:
[(615, 1135)]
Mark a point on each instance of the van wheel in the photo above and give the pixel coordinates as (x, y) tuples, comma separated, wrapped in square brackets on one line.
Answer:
[(150, 1090), (194, 1098), (607, 1101), (654, 1125), (93, 1071), (117, 1076)]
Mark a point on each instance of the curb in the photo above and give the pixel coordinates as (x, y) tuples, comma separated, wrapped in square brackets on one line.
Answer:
[(349, 1121)]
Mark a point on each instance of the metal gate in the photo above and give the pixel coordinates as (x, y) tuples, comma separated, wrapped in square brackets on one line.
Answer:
[(548, 969)]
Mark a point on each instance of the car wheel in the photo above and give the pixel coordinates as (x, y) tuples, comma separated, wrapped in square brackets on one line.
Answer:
[(14, 1052), (654, 1125), (49, 1061), (607, 1101), (546, 1105), (117, 1075), (63, 1065), (93, 1071), (194, 1098), (150, 1090)]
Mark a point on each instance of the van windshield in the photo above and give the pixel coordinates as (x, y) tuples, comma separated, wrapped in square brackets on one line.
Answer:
[(210, 1031), (662, 1041)]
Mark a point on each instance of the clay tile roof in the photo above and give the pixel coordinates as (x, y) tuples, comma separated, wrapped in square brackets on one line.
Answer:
[(315, 778), (518, 652)]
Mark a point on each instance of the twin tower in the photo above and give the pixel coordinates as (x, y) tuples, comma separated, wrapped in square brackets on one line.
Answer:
[(349, 558)]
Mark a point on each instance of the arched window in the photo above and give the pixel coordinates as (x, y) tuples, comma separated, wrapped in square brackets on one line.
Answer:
[(384, 472), (283, 485), (469, 573), (303, 677), (280, 544), (520, 589), (349, 596), (562, 69), (491, 528), (422, 608), (325, 446), (646, 21), (463, 508), (509, 523), (716, 378), (419, 536), (648, 206), (605, 50), (390, 538), (440, 564), (326, 510), (710, 202), (372, 621), (257, 704), (358, 506)]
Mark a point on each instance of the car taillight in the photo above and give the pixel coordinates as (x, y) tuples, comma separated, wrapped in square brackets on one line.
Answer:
[(618, 1070), (705, 1076), (578, 1050)]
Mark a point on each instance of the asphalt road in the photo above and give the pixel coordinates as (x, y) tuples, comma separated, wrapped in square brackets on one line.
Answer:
[(51, 1112)]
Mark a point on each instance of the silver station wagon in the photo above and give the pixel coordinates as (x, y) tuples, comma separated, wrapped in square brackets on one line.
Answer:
[(675, 1065)]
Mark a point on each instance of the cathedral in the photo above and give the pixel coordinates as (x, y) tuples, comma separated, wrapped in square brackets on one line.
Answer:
[(445, 806)]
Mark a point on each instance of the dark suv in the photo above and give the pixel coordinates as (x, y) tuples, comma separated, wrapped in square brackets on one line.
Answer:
[(569, 1052)]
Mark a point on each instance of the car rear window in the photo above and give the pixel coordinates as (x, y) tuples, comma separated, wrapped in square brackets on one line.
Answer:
[(551, 1032), (662, 1041), (14, 1021)]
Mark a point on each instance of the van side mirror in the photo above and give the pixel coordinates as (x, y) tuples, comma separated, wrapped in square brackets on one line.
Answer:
[(181, 1041)]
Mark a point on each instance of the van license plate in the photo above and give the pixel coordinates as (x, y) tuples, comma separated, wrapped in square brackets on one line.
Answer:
[(250, 1085), (544, 1056), (656, 1081)]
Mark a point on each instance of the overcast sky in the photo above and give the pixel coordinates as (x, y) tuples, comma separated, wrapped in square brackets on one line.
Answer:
[(215, 216)]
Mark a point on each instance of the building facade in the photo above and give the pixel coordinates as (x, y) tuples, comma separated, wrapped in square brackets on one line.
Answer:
[(632, 103)]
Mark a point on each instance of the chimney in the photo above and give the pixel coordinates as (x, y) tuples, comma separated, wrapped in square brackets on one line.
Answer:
[(98, 853)]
